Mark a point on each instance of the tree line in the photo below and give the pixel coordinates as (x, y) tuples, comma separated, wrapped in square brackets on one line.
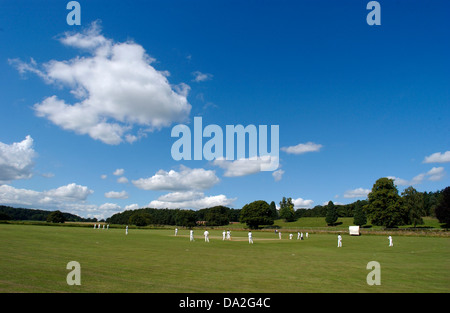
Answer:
[(22, 214), (384, 206)]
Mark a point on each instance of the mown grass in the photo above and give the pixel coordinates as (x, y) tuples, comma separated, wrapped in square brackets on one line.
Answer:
[(34, 258)]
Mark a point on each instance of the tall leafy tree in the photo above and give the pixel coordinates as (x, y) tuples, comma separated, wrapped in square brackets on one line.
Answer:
[(56, 217), (443, 208), (332, 216), (413, 201), (273, 210), (287, 210), (256, 213), (359, 216), (385, 206)]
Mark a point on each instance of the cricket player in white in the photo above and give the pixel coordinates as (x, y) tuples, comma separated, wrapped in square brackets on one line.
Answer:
[(391, 244), (224, 233), (206, 234), (176, 231), (339, 241), (279, 234), (250, 237), (191, 235), (126, 230)]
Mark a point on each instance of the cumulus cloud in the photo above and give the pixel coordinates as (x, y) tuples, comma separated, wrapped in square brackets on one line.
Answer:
[(246, 166), (116, 194), (302, 203), (302, 148), (185, 179), (201, 77), (70, 193), (16, 160), (435, 174), (438, 157), (357, 193), (117, 87), (70, 198), (189, 200), (278, 174), (119, 172)]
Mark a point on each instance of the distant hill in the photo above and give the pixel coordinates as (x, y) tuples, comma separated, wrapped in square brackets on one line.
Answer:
[(20, 214)]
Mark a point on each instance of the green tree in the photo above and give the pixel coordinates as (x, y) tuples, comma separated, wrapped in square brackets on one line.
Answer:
[(56, 217), (185, 218), (287, 210), (443, 208), (256, 213), (385, 206), (273, 210), (332, 215), (140, 218), (217, 216), (359, 216), (413, 202)]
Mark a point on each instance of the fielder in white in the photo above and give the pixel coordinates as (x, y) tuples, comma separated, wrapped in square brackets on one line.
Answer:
[(176, 231), (224, 233), (250, 237), (339, 241), (391, 244), (191, 235), (206, 234), (126, 230)]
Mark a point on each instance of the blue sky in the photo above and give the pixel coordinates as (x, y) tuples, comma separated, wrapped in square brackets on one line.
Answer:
[(87, 111)]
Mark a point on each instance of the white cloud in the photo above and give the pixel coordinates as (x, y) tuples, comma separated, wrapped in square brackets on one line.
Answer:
[(302, 203), (60, 196), (119, 172), (116, 194), (71, 198), (357, 193), (302, 148), (133, 206), (16, 160), (243, 167), (278, 174), (438, 157), (189, 200), (435, 174), (117, 87), (122, 180), (201, 77), (185, 179), (104, 176)]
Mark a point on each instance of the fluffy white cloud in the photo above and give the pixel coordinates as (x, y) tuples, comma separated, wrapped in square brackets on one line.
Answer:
[(278, 174), (302, 203), (116, 194), (357, 193), (435, 174), (117, 87), (185, 179), (200, 77), (302, 148), (71, 198), (438, 157), (71, 193), (16, 160), (243, 167), (119, 172), (189, 200)]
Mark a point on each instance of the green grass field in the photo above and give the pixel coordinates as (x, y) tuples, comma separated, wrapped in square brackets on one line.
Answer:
[(34, 258)]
